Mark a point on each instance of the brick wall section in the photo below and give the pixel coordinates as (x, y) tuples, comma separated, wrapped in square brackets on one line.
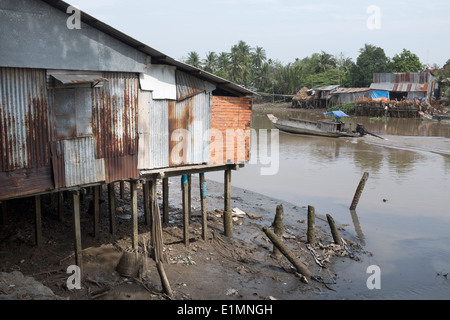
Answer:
[(231, 124)]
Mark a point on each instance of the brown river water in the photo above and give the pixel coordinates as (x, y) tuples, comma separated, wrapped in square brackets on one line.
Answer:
[(403, 215)]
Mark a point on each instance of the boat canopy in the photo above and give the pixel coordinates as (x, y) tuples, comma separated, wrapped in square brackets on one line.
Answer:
[(338, 114)]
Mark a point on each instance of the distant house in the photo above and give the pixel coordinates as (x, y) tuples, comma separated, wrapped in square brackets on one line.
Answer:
[(405, 85), (349, 95)]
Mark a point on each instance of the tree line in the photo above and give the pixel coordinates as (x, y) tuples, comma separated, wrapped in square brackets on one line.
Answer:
[(250, 67)]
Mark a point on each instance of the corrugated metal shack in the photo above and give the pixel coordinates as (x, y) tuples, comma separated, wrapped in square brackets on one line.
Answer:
[(405, 85), (348, 95), (91, 106)]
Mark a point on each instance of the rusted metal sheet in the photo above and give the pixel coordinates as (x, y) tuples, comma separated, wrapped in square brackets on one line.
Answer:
[(80, 165), (188, 85), (403, 77), (153, 132), (114, 121), (25, 114), (189, 121)]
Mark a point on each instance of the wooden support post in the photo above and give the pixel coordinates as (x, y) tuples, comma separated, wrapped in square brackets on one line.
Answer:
[(278, 228), (165, 200), (359, 190), (96, 211), (4, 213), (227, 215), (38, 220), (77, 231), (184, 191), (202, 183), (112, 208), (152, 199), (162, 275), (122, 190), (334, 231), (311, 233), (134, 213), (301, 268), (61, 205), (189, 181), (147, 210)]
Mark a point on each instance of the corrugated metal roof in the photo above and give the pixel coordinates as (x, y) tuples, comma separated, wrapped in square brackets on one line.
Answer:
[(327, 88), (157, 56), (400, 87), (403, 77), (350, 90)]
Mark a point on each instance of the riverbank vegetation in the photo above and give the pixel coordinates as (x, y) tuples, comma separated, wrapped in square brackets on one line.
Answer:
[(250, 67)]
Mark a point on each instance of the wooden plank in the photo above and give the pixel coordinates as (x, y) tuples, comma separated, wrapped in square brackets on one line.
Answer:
[(177, 171), (134, 214), (96, 211), (38, 220), (202, 183), (227, 215), (77, 230), (112, 208), (165, 200)]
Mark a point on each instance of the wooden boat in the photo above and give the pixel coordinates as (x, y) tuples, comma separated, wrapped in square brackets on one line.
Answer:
[(327, 128)]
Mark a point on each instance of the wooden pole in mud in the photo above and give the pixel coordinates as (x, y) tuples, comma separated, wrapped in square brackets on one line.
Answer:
[(152, 199), (77, 230), (227, 215), (189, 189), (165, 200), (278, 228), (311, 233), (301, 268), (134, 214), (4, 213), (202, 183), (38, 220), (61, 205), (162, 275), (184, 192), (96, 211), (146, 203), (112, 208), (359, 190), (334, 231)]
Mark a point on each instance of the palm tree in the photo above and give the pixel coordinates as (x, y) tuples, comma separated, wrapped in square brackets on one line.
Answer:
[(210, 63), (325, 61), (193, 59), (259, 57)]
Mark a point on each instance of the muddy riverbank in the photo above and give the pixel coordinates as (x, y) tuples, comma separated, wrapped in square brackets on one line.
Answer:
[(218, 268)]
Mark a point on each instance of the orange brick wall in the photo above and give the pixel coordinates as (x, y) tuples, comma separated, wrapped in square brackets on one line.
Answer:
[(231, 121)]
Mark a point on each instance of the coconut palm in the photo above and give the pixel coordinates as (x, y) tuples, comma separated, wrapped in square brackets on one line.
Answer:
[(193, 59), (210, 62)]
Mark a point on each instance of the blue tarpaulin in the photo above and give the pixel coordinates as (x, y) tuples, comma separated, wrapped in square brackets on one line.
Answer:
[(338, 114), (380, 94)]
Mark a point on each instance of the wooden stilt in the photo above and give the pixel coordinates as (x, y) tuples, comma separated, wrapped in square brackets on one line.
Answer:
[(166, 200), (134, 213), (122, 190), (311, 233), (147, 210), (189, 180), (61, 205), (77, 230), (38, 220), (96, 211), (184, 190), (334, 230), (202, 183), (152, 199), (112, 208), (278, 228), (227, 216), (4, 213), (359, 190)]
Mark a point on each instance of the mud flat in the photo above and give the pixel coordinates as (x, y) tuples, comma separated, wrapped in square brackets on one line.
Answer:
[(218, 268)]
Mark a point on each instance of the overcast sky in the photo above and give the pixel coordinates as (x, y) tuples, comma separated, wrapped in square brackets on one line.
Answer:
[(286, 29)]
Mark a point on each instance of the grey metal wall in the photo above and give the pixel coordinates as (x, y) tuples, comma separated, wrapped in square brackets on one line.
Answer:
[(35, 35)]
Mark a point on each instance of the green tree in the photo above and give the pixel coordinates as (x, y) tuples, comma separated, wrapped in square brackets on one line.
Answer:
[(193, 59), (210, 62), (406, 61), (371, 60)]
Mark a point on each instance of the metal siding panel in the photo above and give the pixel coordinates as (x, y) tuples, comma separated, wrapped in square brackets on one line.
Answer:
[(153, 132), (80, 164), (25, 116)]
